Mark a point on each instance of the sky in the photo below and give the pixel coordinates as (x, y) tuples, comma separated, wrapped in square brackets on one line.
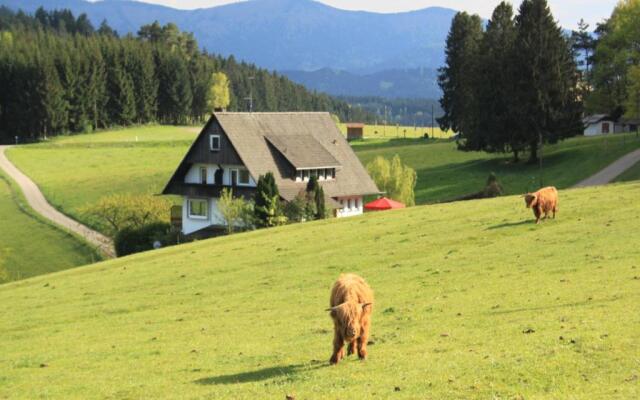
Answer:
[(568, 12)]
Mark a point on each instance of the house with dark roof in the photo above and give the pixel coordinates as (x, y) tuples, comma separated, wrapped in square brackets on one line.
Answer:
[(602, 124), (234, 149), (598, 124)]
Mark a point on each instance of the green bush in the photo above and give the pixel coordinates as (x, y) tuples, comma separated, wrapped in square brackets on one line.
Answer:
[(135, 240)]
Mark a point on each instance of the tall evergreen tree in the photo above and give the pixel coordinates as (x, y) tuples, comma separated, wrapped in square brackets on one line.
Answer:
[(497, 130), (266, 191), (547, 104), (456, 78)]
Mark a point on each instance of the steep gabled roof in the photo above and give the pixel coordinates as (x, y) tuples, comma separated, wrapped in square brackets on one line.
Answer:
[(264, 141), (249, 132), (594, 119)]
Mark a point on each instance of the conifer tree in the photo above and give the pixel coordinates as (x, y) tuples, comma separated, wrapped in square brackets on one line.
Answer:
[(547, 104)]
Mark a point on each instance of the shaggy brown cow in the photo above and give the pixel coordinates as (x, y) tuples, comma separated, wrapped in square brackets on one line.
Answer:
[(351, 308), (543, 201)]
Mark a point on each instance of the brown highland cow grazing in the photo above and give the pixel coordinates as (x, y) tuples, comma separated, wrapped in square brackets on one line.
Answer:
[(351, 307), (543, 201)]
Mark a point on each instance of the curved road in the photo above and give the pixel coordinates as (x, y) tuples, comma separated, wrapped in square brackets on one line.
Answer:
[(36, 200), (612, 171)]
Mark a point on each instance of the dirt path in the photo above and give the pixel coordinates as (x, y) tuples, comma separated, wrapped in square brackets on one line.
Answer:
[(612, 171), (36, 200)]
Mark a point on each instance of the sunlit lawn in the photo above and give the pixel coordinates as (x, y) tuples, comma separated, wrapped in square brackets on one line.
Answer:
[(29, 246), (473, 301)]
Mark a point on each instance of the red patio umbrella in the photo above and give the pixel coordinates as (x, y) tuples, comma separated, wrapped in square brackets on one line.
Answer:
[(383, 204)]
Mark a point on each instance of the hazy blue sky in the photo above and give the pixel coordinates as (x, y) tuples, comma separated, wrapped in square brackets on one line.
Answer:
[(567, 11)]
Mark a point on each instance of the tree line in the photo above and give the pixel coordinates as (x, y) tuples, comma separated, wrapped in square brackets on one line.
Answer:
[(610, 60), (512, 86), (61, 75)]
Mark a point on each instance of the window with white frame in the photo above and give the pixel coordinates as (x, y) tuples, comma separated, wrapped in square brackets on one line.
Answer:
[(214, 142), (198, 208), (244, 178)]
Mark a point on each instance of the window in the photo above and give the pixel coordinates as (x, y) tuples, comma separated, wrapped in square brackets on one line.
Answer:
[(605, 127), (214, 142), (321, 174), (198, 208), (314, 173), (244, 177), (305, 175), (203, 175), (298, 175)]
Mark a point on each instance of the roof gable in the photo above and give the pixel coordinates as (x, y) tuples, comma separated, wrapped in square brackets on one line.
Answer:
[(268, 142), (249, 133)]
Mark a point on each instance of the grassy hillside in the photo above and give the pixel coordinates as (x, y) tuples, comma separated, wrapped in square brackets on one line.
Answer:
[(445, 173), (632, 174), (404, 132), (78, 170), (29, 246), (472, 301)]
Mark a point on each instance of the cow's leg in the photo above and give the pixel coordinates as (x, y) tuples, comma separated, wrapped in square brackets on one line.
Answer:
[(537, 213), (363, 339), (338, 348), (352, 347)]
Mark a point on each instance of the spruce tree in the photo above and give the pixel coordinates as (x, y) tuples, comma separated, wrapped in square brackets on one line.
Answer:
[(497, 130), (266, 190), (547, 104), (457, 77)]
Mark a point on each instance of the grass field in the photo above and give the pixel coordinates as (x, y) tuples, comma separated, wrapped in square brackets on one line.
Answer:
[(445, 173), (397, 131), (88, 167), (632, 174), (29, 246), (473, 301)]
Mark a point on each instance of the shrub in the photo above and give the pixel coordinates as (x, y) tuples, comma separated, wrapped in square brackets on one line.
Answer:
[(397, 180), (117, 212), (235, 211), (132, 240)]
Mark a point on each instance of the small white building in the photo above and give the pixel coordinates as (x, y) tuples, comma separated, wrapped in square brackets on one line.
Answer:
[(599, 124), (235, 149)]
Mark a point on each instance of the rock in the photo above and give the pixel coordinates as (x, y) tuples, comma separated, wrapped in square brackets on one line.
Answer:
[(396, 389)]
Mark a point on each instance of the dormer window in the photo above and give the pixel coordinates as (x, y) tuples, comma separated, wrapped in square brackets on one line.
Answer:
[(322, 174), (214, 142)]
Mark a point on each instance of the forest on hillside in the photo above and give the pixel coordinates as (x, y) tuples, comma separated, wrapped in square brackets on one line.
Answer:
[(59, 74)]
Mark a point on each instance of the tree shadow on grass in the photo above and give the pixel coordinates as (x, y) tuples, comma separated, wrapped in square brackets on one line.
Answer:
[(284, 371), (511, 224)]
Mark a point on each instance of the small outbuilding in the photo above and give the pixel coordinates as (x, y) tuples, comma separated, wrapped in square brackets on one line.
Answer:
[(598, 124), (383, 204), (355, 131)]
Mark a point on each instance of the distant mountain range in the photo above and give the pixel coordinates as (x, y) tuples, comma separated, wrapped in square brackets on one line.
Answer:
[(298, 35), (392, 83)]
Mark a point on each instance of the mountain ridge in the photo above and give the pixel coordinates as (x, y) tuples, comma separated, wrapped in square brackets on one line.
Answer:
[(286, 34)]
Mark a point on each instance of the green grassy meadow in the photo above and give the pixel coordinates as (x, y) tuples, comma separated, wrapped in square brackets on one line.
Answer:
[(632, 174), (398, 131), (445, 173), (75, 171), (30, 246), (473, 301)]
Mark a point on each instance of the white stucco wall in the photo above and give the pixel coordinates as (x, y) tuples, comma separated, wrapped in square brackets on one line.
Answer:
[(190, 225), (596, 129), (193, 176), (352, 206)]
